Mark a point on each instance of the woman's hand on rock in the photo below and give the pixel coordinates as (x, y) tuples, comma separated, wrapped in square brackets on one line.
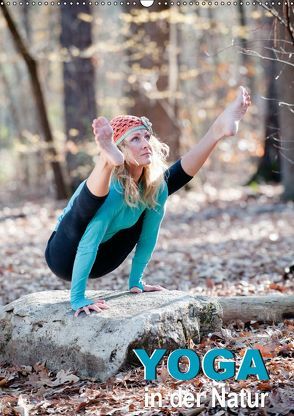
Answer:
[(153, 288), (98, 306), (147, 288), (136, 289)]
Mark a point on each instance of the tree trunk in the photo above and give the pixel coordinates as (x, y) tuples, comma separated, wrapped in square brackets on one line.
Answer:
[(269, 165), (153, 79), (34, 160), (79, 86), (285, 42), (246, 60), (269, 308), (61, 191), (15, 122)]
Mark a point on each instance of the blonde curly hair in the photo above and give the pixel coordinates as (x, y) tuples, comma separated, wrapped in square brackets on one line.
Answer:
[(152, 180)]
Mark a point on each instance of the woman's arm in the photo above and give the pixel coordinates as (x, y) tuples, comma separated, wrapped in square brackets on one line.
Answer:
[(147, 241), (88, 247), (84, 260)]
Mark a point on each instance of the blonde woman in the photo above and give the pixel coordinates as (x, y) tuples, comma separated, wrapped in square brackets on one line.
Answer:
[(122, 202)]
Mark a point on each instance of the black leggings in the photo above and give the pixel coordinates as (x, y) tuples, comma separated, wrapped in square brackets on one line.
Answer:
[(62, 246)]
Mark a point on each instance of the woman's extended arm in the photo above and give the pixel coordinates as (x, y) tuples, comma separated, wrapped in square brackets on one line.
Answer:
[(87, 249), (147, 241), (84, 260)]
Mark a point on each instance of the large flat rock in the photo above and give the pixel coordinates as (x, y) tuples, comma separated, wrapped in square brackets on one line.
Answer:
[(41, 327)]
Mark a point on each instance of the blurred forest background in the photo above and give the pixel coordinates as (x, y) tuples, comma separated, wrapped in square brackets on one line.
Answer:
[(229, 232), (62, 66)]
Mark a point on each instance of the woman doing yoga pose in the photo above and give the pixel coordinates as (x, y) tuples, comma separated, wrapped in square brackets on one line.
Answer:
[(122, 203)]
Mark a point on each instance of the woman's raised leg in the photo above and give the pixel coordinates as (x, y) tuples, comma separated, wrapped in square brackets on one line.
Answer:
[(225, 125), (110, 156), (61, 248)]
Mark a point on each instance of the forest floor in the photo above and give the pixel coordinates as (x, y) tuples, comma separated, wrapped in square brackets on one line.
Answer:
[(223, 242)]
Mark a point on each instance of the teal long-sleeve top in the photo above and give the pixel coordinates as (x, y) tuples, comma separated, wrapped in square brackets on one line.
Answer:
[(113, 216)]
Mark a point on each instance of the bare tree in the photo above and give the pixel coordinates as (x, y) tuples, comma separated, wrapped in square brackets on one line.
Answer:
[(278, 57), (284, 42), (245, 59), (32, 66), (269, 166), (79, 85), (153, 80)]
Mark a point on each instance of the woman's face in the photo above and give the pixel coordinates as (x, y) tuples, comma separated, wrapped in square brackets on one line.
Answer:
[(139, 148)]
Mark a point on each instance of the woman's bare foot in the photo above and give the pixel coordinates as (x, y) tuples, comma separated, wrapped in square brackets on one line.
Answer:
[(103, 137), (227, 122)]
